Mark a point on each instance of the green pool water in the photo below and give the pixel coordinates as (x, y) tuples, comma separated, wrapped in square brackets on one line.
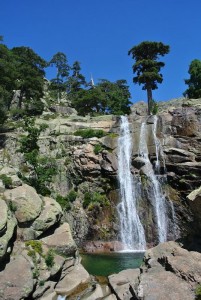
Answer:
[(110, 263)]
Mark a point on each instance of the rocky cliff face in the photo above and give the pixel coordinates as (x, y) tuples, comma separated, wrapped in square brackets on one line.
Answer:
[(89, 167), (178, 132)]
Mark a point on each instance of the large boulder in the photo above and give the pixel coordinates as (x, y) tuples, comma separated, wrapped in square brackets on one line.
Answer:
[(184, 264), (194, 199), (170, 272), (51, 296), (109, 163), (123, 283), (26, 201), (160, 285), (139, 109), (8, 171), (109, 141), (175, 155), (11, 223), (73, 281), (12, 174), (3, 216), (50, 215), (185, 121), (16, 281), (61, 240), (85, 161)]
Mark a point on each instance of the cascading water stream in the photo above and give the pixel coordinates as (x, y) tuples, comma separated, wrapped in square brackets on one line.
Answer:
[(159, 152), (157, 144), (61, 297), (156, 195), (158, 147), (132, 232)]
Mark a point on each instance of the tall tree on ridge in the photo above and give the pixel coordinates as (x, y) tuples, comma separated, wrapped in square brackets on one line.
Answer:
[(30, 74), (147, 66), (59, 60), (194, 82), (76, 80)]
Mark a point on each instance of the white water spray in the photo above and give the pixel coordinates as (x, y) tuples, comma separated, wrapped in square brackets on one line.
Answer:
[(61, 297), (132, 232), (156, 195), (159, 152), (157, 144)]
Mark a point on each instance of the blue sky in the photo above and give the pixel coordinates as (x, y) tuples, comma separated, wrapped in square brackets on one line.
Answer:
[(99, 34)]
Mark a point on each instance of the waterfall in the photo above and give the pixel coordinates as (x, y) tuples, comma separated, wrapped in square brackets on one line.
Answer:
[(61, 297), (158, 147), (132, 232), (156, 194), (157, 144), (159, 152)]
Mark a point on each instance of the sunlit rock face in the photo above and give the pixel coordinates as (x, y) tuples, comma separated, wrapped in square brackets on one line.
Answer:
[(176, 163), (165, 162), (179, 133)]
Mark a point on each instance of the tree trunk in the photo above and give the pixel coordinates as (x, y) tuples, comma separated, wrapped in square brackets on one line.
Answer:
[(149, 98)]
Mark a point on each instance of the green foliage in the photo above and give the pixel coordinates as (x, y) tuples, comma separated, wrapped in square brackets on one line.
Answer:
[(35, 273), (72, 195), (29, 142), (116, 95), (35, 245), (41, 282), (3, 112), (32, 254), (88, 101), (21, 69), (7, 181), (12, 206), (90, 133), (65, 201), (87, 199), (76, 81), (113, 135), (30, 73), (92, 198), (16, 113), (7, 80), (67, 161), (43, 126), (106, 97), (44, 167), (147, 67), (59, 60), (49, 258), (98, 148), (198, 292), (154, 107), (194, 82)]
